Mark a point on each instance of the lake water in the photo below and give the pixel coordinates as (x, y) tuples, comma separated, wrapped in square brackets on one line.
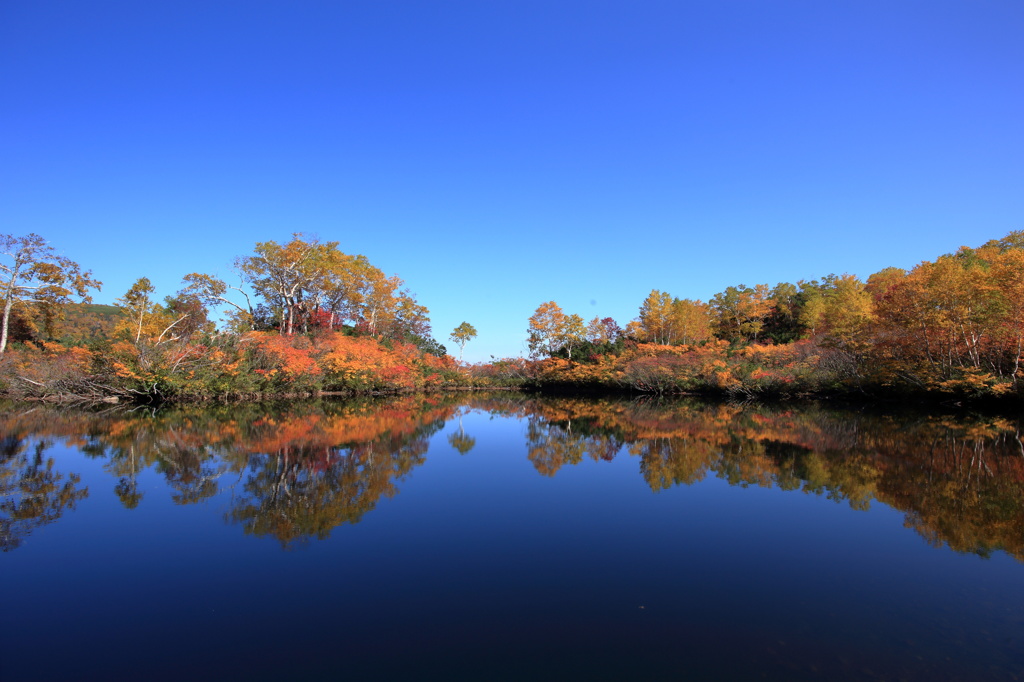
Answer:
[(508, 537)]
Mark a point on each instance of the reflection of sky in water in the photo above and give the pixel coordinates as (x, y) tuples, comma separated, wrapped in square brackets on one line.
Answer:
[(481, 568)]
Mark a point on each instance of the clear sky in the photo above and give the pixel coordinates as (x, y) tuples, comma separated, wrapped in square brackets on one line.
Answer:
[(498, 154)]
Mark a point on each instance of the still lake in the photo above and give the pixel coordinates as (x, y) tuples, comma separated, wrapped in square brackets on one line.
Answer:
[(508, 537)]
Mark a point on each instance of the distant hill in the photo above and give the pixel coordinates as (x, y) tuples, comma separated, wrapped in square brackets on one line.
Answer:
[(88, 321)]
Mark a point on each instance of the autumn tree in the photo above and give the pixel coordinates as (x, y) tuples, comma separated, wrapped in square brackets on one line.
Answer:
[(284, 274), (880, 283), (193, 315), (462, 335), (145, 318), (84, 322), (656, 318), (551, 330), (22, 327), (387, 309), (1011, 242), (137, 306), (839, 306), (949, 304), (572, 333), (212, 291), (1008, 280), (666, 320), (602, 331), (544, 329), (309, 284), (36, 275), (741, 312), (955, 321), (960, 287)]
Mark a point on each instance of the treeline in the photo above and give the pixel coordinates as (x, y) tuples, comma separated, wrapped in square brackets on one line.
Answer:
[(303, 318), (953, 326)]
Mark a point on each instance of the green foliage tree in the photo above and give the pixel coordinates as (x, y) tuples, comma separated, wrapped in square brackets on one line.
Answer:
[(427, 344), (783, 322)]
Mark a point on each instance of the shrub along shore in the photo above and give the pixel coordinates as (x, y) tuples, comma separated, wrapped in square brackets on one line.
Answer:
[(268, 365), (253, 365)]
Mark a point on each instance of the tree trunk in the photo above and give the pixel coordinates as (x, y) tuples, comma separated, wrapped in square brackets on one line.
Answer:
[(7, 318)]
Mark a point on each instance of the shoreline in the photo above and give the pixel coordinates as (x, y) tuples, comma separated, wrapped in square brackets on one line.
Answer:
[(852, 399)]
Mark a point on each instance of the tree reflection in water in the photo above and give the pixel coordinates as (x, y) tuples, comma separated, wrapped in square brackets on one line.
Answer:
[(32, 492), (298, 471), (303, 491), (959, 480), (461, 443)]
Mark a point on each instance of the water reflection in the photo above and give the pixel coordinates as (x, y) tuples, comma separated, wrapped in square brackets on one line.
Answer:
[(33, 492), (296, 472), (310, 475), (959, 480), (459, 441)]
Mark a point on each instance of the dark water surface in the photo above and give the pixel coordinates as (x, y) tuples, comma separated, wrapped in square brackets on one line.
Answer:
[(503, 537)]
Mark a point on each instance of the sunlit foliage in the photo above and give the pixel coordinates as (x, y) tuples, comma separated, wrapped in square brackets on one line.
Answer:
[(953, 327)]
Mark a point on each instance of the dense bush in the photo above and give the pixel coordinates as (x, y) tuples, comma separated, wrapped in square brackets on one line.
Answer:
[(257, 363)]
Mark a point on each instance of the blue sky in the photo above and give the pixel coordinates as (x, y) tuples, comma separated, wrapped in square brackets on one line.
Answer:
[(496, 155)]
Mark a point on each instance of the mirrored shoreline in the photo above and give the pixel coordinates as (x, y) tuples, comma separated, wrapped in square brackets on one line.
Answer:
[(297, 471)]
